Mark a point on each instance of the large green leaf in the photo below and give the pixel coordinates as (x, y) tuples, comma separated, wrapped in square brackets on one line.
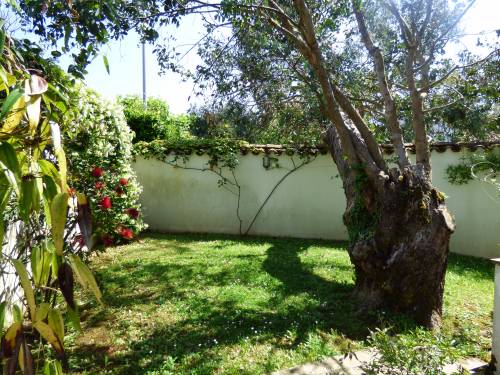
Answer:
[(40, 265), (56, 322), (49, 169), (52, 368), (28, 198), (42, 311), (14, 116), (58, 212), (27, 288), (9, 102), (8, 159), (50, 336), (85, 276)]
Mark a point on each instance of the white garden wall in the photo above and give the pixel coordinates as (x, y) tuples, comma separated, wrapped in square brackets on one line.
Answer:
[(308, 204)]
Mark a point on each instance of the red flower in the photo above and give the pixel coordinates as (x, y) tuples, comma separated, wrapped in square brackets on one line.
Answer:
[(123, 181), (97, 172), (133, 212), (107, 240), (126, 233), (105, 203), (99, 185)]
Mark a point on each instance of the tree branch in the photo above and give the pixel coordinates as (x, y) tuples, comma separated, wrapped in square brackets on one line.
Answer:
[(390, 107)]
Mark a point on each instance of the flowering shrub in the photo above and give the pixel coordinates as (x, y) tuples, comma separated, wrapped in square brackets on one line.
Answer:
[(100, 158)]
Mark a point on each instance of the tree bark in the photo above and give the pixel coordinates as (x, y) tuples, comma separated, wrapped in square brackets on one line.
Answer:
[(399, 237)]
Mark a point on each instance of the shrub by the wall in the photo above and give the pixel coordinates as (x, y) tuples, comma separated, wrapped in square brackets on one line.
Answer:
[(100, 156)]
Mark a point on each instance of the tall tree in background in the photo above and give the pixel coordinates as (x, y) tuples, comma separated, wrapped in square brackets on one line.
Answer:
[(398, 223)]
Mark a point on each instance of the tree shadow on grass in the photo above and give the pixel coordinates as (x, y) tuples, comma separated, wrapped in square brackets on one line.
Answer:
[(301, 301)]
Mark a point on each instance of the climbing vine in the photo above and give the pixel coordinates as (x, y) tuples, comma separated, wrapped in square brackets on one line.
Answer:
[(223, 158), (483, 167)]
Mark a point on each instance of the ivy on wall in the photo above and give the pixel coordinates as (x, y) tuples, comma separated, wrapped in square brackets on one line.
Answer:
[(484, 167), (223, 159)]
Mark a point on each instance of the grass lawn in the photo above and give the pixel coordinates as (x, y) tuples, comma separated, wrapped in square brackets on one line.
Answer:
[(205, 304)]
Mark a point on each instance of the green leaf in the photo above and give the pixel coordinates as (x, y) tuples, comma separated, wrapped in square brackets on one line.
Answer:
[(85, 276), (8, 159), (58, 212), (50, 336), (56, 322), (3, 309), (27, 288), (106, 62), (27, 198), (40, 265), (14, 116), (52, 368), (9, 102), (42, 311), (17, 313), (49, 170)]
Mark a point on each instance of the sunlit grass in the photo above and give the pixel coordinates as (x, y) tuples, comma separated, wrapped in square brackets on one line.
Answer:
[(204, 304)]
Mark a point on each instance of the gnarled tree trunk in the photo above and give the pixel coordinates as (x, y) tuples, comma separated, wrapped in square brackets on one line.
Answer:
[(399, 235)]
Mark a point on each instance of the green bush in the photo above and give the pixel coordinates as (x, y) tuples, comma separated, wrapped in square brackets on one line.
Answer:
[(153, 121), (421, 352), (100, 156)]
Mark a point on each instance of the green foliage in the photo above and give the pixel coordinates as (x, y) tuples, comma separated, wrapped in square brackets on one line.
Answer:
[(100, 155), (36, 205), (204, 304), (222, 152), (83, 27), (422, 352), (481, 166), (153, 121), (470, 102)]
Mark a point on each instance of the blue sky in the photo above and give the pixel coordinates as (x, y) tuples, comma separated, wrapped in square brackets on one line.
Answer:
[(125, 59)]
